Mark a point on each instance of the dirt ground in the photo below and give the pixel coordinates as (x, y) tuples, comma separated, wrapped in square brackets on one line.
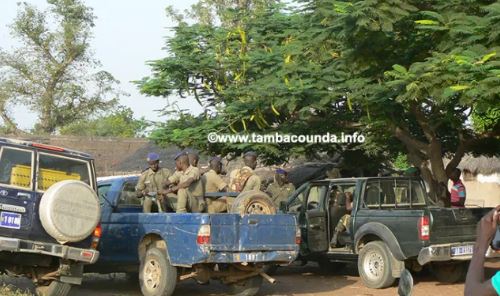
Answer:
[(292, 280)]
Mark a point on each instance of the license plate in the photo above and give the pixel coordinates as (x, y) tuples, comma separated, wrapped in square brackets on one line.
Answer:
[(462, 250), (10, 220)]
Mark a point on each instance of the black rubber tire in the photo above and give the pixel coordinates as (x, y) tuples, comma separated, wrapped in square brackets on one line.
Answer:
[(55, 288), (157, 277), (449, 272), (247, 287), (253, 202), (374, 265), (326, 266)]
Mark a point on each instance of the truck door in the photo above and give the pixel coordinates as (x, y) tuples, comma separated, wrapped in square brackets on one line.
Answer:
[(121, 234), (316, 218)]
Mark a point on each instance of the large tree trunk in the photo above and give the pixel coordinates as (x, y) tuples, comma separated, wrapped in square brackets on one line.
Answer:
[(428, 158), (46, 124)]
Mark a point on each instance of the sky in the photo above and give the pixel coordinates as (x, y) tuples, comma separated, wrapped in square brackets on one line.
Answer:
[(126, 35)]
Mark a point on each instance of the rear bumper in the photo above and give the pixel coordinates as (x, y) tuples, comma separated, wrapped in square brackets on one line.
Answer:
[(88, 256), (241, 257), (443, 252)]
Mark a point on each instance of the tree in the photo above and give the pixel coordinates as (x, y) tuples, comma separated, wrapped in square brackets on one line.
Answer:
[(415, 76), (429, 71), (245, 77), (117, 123), (53, 72)]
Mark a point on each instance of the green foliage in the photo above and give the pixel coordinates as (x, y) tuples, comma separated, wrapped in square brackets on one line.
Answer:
[(119, 123), (411, 75), (53, 72), (401, 162)]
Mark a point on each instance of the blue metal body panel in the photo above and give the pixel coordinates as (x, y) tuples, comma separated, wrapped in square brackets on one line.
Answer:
[(234, 238)]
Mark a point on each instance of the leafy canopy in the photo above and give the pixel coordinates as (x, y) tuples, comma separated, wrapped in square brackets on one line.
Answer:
[(415, 76)]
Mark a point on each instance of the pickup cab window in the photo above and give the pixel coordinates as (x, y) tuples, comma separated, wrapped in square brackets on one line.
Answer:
[(102, 192), (128, 196), (297, 199), (394, 193), (16, 167), (315, 197), (53, 168)]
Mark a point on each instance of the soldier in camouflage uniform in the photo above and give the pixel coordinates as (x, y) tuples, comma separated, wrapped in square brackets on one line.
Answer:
[(151, 182), (281, 188)]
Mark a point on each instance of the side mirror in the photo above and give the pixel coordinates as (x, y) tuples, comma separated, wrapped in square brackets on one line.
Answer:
[(283, 206), (405, 286)]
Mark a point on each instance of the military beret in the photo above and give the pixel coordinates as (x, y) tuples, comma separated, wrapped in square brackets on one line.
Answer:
[(152, 156), (281, 171), (180, 154)]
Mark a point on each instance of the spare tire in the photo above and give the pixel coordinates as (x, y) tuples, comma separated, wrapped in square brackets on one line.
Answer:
[(253, 202), (69, 211)]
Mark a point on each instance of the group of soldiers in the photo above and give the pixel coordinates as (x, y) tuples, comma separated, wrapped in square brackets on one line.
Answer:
[(184, 190)]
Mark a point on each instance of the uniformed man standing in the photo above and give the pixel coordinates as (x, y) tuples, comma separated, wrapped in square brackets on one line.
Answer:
[(150, 183), (244, 179), (187, 183), (281, 188), (212, 182)]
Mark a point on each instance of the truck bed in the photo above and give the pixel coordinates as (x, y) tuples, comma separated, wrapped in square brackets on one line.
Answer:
[(233, 238), (452, 225)]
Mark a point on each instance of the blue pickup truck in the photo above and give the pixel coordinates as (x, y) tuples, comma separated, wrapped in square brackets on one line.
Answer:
[(164, 248)]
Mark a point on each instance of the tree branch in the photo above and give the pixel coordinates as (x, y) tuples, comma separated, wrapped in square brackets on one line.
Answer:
[(457, 157), (408, 140), (423, 122)]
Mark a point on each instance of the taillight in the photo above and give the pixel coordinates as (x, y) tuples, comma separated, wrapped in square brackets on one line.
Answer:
[(98, 231), (203, 237), (298, 237), (424, 228), (96, 237)]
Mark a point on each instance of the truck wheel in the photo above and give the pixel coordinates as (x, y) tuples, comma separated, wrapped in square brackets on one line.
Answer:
[(247, 287), (374, 265), (449, 272), (55, 288), (253, 202), (157, 276)]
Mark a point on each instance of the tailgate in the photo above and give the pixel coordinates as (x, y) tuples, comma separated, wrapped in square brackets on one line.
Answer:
[(451, 225), (232, 232)]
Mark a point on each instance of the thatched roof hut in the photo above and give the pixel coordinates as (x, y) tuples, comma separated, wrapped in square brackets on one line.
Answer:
[(480, 165)]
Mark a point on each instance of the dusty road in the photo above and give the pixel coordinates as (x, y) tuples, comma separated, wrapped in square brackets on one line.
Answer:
[(294, 280)]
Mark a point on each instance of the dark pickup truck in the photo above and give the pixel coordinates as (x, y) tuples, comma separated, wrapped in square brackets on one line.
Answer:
[(393, 224)]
